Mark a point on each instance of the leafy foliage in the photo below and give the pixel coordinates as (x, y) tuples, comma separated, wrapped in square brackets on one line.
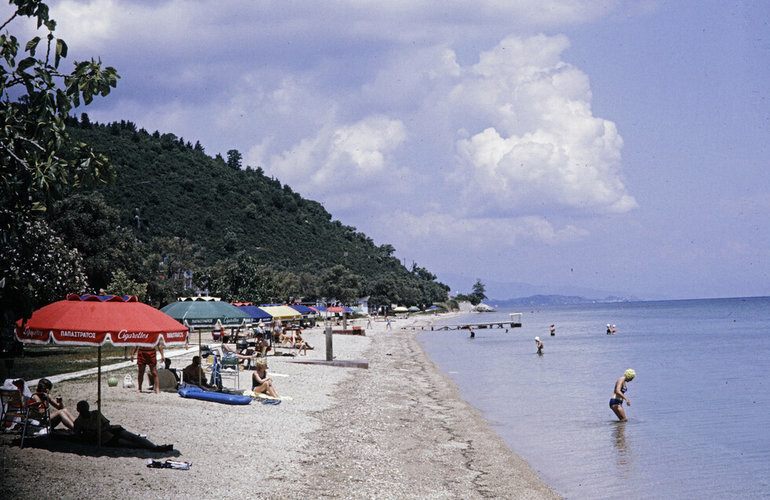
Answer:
[(161, 214), (40, 261), (477, 295), (235, 232), (38, 158), (122, 285)]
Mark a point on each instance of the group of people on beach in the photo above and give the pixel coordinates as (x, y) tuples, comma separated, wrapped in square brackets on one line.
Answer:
[(193, 374), (88, 427)]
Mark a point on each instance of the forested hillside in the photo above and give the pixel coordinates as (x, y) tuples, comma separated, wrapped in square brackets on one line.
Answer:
[(177, 219)]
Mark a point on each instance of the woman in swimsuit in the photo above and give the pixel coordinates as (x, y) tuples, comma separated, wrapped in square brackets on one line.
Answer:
[(260, 382), (616, 402), (43, 398)]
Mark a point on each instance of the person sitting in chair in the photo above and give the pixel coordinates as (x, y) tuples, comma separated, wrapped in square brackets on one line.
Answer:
[(60, 414), (228, 352), (261, 346), (193, 374), (87, 429)]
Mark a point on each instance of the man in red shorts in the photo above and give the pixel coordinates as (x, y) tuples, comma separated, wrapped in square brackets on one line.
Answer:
[(146, 358)]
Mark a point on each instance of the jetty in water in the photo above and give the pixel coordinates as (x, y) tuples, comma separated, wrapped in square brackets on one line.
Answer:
[(514, 322)]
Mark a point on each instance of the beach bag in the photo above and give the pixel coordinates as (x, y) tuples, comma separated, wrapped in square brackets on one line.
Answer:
[(128, 381)]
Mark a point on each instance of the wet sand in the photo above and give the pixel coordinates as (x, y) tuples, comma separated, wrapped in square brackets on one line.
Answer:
[(395, 430)]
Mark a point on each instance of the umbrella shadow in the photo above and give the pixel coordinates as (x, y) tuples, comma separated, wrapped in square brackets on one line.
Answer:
[(68, 444)]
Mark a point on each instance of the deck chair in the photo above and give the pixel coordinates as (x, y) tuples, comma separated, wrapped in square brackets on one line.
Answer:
[(230, 368), (21, 412)]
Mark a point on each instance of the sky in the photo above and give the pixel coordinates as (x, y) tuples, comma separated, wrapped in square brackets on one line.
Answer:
[(540, 146)]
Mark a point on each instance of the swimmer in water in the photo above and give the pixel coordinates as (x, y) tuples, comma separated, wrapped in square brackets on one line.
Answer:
[(616, 402), (539, 344)]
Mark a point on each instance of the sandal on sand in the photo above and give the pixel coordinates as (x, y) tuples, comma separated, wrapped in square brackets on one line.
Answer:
[(271, 401)]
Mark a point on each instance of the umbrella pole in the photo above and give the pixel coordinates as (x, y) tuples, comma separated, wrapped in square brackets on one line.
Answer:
[(99, 398), (200, 359)]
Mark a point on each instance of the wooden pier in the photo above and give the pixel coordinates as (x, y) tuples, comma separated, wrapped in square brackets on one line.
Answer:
[(514, 322)]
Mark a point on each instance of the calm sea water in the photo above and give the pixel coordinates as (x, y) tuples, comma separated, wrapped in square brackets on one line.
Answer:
[(699, 424)]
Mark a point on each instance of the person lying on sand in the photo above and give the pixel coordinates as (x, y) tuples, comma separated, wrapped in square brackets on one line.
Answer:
[(87, 429)]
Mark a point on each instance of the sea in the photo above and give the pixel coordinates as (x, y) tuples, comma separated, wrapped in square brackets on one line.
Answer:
[(699, 421)]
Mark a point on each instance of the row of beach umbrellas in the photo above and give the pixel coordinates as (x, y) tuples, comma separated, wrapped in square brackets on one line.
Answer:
[(97, 320)]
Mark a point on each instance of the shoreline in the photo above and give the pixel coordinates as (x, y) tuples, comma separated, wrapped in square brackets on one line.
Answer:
[(395, 430)]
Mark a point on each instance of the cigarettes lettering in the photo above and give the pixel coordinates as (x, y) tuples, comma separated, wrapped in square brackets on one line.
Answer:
[(125, 336)]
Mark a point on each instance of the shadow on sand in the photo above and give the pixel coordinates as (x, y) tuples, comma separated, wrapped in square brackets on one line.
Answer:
[(62, 443)]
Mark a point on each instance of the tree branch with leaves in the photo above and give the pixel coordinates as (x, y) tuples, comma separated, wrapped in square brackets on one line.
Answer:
[(38, 159)]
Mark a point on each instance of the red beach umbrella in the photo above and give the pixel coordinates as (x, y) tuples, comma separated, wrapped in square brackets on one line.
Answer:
[(97, 320)]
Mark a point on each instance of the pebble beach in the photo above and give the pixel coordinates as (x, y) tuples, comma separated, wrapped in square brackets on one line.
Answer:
[(396, 429)]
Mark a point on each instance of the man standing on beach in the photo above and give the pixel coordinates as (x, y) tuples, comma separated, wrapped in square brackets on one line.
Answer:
[(145, 357)]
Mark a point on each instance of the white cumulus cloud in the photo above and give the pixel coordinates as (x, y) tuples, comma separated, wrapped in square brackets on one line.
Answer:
[(541, 144)]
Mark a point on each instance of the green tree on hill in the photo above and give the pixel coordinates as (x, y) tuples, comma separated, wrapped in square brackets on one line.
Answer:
[(479, 293)]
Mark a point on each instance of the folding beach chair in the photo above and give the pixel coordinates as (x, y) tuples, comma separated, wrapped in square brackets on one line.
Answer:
[(230, 369), (21, 412)]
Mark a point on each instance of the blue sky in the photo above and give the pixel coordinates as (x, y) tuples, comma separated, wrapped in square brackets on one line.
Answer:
[(542, 146)]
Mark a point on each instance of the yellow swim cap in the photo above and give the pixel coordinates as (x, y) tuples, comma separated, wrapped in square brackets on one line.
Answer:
[(630, 374)]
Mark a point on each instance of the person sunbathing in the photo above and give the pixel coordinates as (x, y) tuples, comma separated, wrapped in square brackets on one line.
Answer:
[(261, 383), (87, 429)]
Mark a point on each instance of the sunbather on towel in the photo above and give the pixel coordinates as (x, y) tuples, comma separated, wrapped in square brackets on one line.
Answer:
[(261, 383), (87, 429)]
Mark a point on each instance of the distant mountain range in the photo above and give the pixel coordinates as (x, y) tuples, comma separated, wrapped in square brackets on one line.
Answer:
[(553, 300), (518, 293)]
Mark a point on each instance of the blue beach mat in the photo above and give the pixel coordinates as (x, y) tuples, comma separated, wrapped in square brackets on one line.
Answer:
[(216, 397)]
